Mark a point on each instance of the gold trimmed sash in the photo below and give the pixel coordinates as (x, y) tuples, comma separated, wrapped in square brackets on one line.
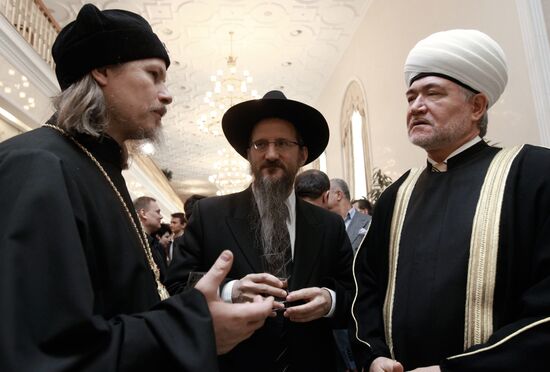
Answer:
[(399, 211), (482, 265), (507, 338)]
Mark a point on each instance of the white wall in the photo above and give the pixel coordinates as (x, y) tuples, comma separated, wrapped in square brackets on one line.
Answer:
[(375, 58)]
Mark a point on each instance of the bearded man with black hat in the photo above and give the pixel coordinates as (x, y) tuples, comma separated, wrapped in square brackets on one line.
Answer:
[(80, 290), (454, 274), (283, 246)]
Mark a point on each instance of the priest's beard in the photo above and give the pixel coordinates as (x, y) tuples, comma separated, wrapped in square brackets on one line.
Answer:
[(270, 225), (146, 144), (143, 146)]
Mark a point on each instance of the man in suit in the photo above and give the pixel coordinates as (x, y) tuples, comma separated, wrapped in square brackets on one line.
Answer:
[(283, 247), (313, 186), (149, 215), (339, 201), (177, 226)]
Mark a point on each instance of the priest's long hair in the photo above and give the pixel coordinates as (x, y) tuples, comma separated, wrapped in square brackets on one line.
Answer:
[(81, 108)]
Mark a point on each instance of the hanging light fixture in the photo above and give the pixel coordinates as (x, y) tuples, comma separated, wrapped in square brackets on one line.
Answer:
[(230, 87), (232, 173)]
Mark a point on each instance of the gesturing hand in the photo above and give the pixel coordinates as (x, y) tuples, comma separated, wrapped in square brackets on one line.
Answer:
[(233, 323)]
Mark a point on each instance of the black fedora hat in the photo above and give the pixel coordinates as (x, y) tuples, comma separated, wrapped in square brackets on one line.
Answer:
[(239, 120)]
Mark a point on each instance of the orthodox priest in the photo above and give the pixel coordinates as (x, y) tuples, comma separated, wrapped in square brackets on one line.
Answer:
[(454, 274), (80, 290)]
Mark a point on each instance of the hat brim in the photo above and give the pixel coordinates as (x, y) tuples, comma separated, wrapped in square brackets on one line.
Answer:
[(239, 120)]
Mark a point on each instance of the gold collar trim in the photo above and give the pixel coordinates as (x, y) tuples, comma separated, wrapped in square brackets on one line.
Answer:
[(399, 211), (482, 265)]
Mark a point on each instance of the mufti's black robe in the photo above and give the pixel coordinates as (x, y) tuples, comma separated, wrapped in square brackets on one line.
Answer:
[(428, 321), (76, 291)]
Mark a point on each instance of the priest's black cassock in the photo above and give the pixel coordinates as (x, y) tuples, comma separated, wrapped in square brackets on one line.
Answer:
[(76, 290), (427, 300)]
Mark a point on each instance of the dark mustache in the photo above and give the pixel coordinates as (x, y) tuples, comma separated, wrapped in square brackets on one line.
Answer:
[(272, 164)]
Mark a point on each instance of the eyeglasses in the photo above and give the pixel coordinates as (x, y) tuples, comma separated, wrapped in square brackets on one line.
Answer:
[(280, 144)]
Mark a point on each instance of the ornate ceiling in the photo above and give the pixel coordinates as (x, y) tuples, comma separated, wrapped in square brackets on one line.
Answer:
[(291, 45)]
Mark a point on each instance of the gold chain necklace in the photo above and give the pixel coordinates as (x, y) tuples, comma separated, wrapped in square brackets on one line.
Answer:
[(161, 289)]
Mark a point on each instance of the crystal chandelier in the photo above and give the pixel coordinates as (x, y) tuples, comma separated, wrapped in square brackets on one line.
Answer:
[(230, 88), (232, 173)]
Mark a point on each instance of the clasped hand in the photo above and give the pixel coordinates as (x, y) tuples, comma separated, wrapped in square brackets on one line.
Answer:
[(233, 323), (317, 301)]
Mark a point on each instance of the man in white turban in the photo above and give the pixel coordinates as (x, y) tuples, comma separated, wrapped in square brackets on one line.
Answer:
[(454, 274)]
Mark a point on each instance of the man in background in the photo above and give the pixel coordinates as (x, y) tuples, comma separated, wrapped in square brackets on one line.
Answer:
[(149, 215), (312, 186), (190, 204), (363, 206), (177, 226), (339, 202)]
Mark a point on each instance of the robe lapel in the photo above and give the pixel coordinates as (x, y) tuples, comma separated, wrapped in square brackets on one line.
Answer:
[(307, 247)]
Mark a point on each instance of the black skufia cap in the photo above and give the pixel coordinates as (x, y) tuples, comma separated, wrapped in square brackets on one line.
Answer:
[(100, 38)]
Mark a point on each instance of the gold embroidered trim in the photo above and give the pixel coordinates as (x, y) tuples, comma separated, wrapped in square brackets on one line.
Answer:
[(400, 209), (478, 322), (507, 338)]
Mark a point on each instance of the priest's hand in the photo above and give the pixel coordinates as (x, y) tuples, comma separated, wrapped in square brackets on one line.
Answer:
[(382, 364), (427, 369), (252, 285), (317, 303), (233, 323)]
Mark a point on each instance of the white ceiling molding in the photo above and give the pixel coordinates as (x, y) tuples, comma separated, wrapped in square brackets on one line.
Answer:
[(15, 49)]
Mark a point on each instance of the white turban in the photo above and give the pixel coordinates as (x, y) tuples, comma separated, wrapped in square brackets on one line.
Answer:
[(468, 56)]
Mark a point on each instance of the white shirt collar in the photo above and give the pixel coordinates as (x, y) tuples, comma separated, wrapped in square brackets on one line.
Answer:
[(290, 202), (462, 148)]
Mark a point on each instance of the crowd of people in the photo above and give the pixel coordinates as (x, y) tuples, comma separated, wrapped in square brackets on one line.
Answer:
[(449, 272)]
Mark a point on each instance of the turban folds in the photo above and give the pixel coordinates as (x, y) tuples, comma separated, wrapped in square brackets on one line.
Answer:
[(467, 56)]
